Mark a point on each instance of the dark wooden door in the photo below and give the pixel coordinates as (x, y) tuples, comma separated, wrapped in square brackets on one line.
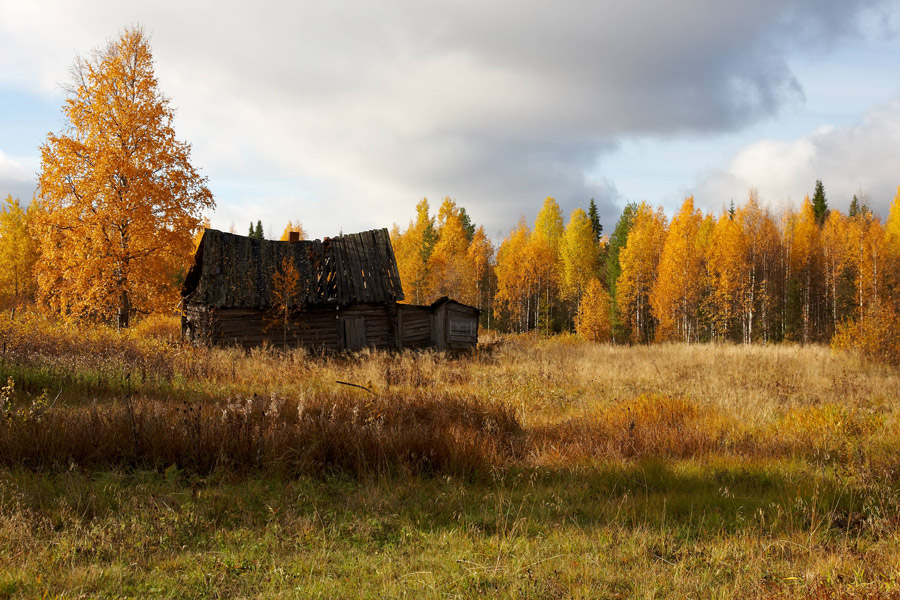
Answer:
[(353, 332)]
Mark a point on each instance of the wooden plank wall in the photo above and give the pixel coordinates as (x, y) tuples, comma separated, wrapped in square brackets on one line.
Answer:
[(415, 326), (317, 328), (462, 326)]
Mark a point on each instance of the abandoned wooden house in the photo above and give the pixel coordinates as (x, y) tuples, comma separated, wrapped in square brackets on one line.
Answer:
[(341, 293)]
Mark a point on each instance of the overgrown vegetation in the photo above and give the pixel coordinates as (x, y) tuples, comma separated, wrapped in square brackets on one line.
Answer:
[(132, 466)]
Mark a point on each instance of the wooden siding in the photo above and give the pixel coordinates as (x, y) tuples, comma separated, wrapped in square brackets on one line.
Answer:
[(462, 326), (355, 327), (415, 326), (446, 325)]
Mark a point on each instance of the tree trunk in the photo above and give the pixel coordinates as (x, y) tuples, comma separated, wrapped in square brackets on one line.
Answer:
[(124, 310)]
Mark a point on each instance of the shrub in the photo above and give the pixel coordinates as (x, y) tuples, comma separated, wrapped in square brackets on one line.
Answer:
[(875, 335)]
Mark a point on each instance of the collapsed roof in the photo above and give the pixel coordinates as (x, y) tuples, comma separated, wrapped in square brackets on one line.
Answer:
[(235, 271)]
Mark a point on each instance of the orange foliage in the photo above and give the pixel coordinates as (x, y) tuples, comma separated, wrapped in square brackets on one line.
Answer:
[(579, 256), (293, 227), (514, 283), (451, 272), (285, 290), (639, 260), (18, 255), (118, 198), (413, 249), (675, 296), (594, 319)]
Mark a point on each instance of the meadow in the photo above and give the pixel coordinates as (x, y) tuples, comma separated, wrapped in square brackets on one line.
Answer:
[(133, 466)]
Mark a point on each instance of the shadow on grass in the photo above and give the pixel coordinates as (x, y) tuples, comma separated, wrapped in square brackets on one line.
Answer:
[(688, 498)]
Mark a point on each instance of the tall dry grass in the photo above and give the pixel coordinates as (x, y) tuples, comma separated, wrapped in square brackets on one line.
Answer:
[(527, 401)]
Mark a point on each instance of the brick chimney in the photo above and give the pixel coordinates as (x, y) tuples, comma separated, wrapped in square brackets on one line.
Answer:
[(294, 236)]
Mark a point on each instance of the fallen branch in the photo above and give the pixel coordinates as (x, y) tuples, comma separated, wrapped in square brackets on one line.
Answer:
[(362, 387)]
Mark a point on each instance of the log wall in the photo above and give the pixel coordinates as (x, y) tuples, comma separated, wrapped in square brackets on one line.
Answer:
[(447, 325), (354, 327)]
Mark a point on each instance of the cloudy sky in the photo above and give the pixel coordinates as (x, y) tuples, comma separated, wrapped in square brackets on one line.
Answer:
[(345, 114)]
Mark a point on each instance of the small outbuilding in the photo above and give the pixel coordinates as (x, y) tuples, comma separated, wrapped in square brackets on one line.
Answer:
[(345, 295)]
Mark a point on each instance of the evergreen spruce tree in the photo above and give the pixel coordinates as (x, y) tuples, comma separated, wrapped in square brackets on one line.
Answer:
[(616, 243), (252, 233), (467, 224), (595, 220), (820, 204), (258, 234)]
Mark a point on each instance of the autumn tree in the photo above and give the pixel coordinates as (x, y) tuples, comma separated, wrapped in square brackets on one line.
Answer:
[(285, 294), (412, 249), (835, 255), (293, 227), (867, 252), (762, 255), (676, 292), (543, 261), (612, 268), (118, 198), (450, 271), (726, 267), (18, 254), (578, 253), (201, 229), (515, 284), (594, 319), (892, 247), (481, 257), (639, 260), (802, 240)]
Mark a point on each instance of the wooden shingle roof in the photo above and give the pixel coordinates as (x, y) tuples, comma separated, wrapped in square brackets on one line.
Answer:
[(235, 271)]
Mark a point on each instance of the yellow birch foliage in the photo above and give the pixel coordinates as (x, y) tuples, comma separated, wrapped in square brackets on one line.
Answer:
[(594, 319), (835, 252), (803, 231), (726, 265), (762, 254), (639, 260), (675, 296), (17, 255), (514, 283), (412, 249), (892, 247), (451, 272), (481, 255), (293, 227), (868, 250), (198, 235), (285, 294), (543, 258), (579, 256), (118, 199)]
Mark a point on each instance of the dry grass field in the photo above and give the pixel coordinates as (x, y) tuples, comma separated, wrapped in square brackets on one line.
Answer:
[(131, 466)]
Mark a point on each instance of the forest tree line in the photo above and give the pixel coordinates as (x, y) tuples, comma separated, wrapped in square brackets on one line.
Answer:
[(745, 275)]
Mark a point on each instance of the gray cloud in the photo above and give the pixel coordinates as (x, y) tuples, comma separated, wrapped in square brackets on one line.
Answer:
[(363, 109)]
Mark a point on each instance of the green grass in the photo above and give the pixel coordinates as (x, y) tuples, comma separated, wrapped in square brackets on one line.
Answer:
[(557, 469), (648, 529)]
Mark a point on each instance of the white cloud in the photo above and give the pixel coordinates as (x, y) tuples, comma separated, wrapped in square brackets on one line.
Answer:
[(15, 178), (362, 108), (860, 157)]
